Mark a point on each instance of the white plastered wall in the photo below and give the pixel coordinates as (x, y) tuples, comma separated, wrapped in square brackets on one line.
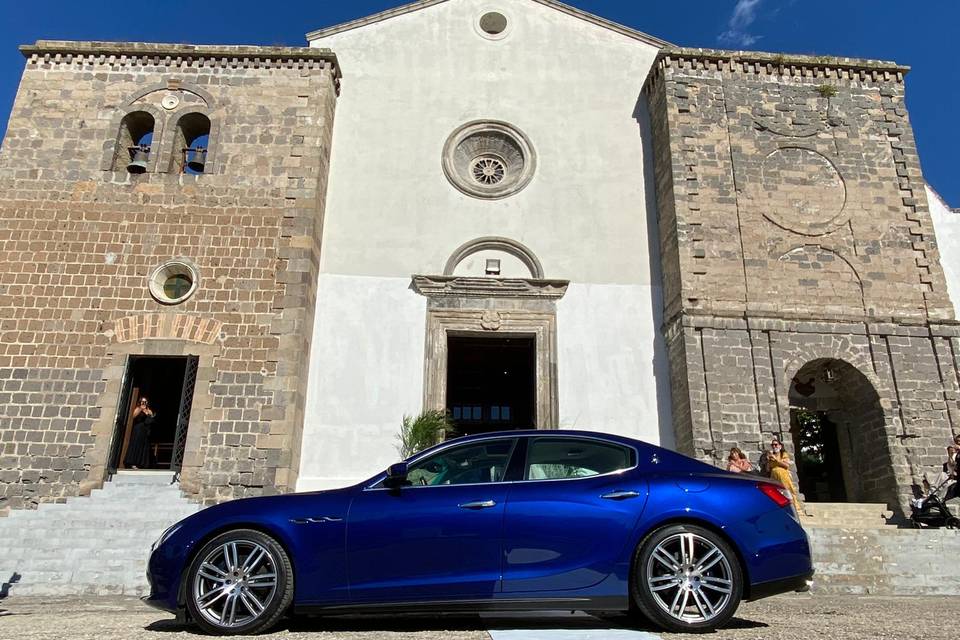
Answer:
[(573, 88), (946, 224)]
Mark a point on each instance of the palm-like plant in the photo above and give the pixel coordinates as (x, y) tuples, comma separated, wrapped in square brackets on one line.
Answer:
[(426, 430)]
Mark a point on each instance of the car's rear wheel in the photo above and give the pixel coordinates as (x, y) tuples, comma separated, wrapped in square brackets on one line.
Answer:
[(686, 578), (240, 582)]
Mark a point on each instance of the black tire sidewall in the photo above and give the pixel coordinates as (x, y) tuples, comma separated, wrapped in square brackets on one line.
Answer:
[(281, 600), (642, 598)]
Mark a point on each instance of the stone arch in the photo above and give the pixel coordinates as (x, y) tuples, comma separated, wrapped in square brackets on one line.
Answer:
[(840, 430), (110, 146), (494, 243), (189, 87), (167, 326), (212, 156)]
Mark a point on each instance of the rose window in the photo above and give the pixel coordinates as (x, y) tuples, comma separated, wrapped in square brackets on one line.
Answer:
[(488, 159), (488, 170)]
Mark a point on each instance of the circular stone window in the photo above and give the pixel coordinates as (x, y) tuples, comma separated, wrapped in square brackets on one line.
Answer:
[(488, 159), (492, 25), (173, 282)]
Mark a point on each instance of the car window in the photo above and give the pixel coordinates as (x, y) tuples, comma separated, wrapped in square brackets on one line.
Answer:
[(560, 458), (474, 463)]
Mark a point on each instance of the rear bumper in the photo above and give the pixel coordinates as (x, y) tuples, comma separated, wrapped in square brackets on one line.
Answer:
[(785, 585)]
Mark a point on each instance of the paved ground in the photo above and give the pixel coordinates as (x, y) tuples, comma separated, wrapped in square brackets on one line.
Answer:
[(781, 618)]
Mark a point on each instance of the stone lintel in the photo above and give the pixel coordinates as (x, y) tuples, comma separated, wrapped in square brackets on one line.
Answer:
[(462, 286)]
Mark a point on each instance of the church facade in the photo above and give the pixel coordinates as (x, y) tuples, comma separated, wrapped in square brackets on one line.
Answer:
[(515, 212)]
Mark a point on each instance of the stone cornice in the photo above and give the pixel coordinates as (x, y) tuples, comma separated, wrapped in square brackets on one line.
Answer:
[(760, 62), (175, 55), (467, 287)]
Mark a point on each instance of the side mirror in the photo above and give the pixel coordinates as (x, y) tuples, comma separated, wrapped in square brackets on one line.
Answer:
[(396, 476)]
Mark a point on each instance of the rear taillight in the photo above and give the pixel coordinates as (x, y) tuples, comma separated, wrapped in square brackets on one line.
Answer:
[(775, 492)]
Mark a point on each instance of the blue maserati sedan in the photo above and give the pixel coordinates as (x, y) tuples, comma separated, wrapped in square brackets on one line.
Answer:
[(519, 520)]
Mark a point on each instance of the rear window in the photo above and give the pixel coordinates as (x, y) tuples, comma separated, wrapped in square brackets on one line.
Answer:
[(562, 458)]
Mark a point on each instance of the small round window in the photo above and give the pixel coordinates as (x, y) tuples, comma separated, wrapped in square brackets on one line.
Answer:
[(173, 281), (493, 23)]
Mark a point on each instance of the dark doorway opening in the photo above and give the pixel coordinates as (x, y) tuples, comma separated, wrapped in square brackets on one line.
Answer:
[(168, 383), (491, 383), (819, 462)]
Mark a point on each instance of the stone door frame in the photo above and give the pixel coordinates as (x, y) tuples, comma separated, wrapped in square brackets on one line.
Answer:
[(492, 307), (150, 336)]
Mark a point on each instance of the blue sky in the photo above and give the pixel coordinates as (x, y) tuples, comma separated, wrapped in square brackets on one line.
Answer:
[(920, 34)]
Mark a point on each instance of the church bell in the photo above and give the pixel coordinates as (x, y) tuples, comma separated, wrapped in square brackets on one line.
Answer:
[(196, 158), (139, 155)]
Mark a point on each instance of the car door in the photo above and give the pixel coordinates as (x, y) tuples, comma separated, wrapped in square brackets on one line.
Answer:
[(568, 519), (439, 537)]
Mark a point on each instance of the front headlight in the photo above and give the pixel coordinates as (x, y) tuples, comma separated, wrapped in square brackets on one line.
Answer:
[(169, 531)]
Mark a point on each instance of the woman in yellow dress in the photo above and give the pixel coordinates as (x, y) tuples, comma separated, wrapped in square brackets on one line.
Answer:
[(778, 466)]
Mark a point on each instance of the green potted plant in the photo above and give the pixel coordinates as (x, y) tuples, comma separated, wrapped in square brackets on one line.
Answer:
[(422, 432)]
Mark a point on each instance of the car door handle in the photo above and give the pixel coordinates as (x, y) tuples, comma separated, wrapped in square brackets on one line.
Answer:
[(620, 495), (480, 504)]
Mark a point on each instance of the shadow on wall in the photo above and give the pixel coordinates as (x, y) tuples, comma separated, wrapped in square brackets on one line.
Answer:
[(661, 363)]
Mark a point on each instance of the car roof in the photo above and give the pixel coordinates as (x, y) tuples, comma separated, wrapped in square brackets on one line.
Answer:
[(549, 433)]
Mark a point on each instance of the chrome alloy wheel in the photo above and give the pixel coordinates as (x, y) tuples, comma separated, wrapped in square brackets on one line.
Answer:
[(235, 583), (689, 578)]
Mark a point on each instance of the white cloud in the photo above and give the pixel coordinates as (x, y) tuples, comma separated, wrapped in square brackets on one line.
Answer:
[(737, 32)]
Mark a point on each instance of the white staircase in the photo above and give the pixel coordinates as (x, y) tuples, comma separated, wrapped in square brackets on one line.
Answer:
[(95, 545)]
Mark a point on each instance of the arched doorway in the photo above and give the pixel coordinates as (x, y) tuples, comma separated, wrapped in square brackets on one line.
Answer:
[(839, 435)]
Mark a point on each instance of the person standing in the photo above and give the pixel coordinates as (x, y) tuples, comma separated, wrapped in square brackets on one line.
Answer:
[(778, 468), (138, 449)]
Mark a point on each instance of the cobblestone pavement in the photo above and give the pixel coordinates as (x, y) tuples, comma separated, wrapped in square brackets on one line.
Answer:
[(781, 618)]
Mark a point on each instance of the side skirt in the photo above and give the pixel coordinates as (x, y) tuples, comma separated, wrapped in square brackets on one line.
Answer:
[(604, 603), (767, 589)]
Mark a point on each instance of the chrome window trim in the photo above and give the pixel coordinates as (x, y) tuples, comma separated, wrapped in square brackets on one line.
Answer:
[(380, 478)]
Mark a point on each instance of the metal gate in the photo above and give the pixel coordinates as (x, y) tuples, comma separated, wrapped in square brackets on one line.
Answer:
[(183, 417), (123, 412)]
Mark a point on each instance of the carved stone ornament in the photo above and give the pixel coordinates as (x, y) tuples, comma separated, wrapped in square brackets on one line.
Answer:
[(491, 320), (801, 190), (467, 287)]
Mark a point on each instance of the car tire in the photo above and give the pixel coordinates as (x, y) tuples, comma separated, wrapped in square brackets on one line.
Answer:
[(239, 583), (686, 579)]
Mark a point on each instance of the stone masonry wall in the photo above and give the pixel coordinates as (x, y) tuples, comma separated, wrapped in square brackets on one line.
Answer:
[(80, 236), (795, 227)]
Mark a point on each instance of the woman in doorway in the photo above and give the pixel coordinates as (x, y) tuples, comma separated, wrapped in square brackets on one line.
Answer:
[(737, 462), (138, 449), (778, 468)]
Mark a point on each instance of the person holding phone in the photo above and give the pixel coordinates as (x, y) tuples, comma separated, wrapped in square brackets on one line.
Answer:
[(138, 449)]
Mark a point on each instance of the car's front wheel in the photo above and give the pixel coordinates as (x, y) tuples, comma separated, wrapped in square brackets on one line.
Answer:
[(240, 582), (686, 578)]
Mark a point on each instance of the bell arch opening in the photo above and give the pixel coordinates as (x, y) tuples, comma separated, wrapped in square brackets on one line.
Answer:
[(839, 433), (133, 147)]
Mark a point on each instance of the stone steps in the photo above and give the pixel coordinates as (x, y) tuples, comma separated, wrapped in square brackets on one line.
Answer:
[(884, 560), (841, 514), (95, 545)]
